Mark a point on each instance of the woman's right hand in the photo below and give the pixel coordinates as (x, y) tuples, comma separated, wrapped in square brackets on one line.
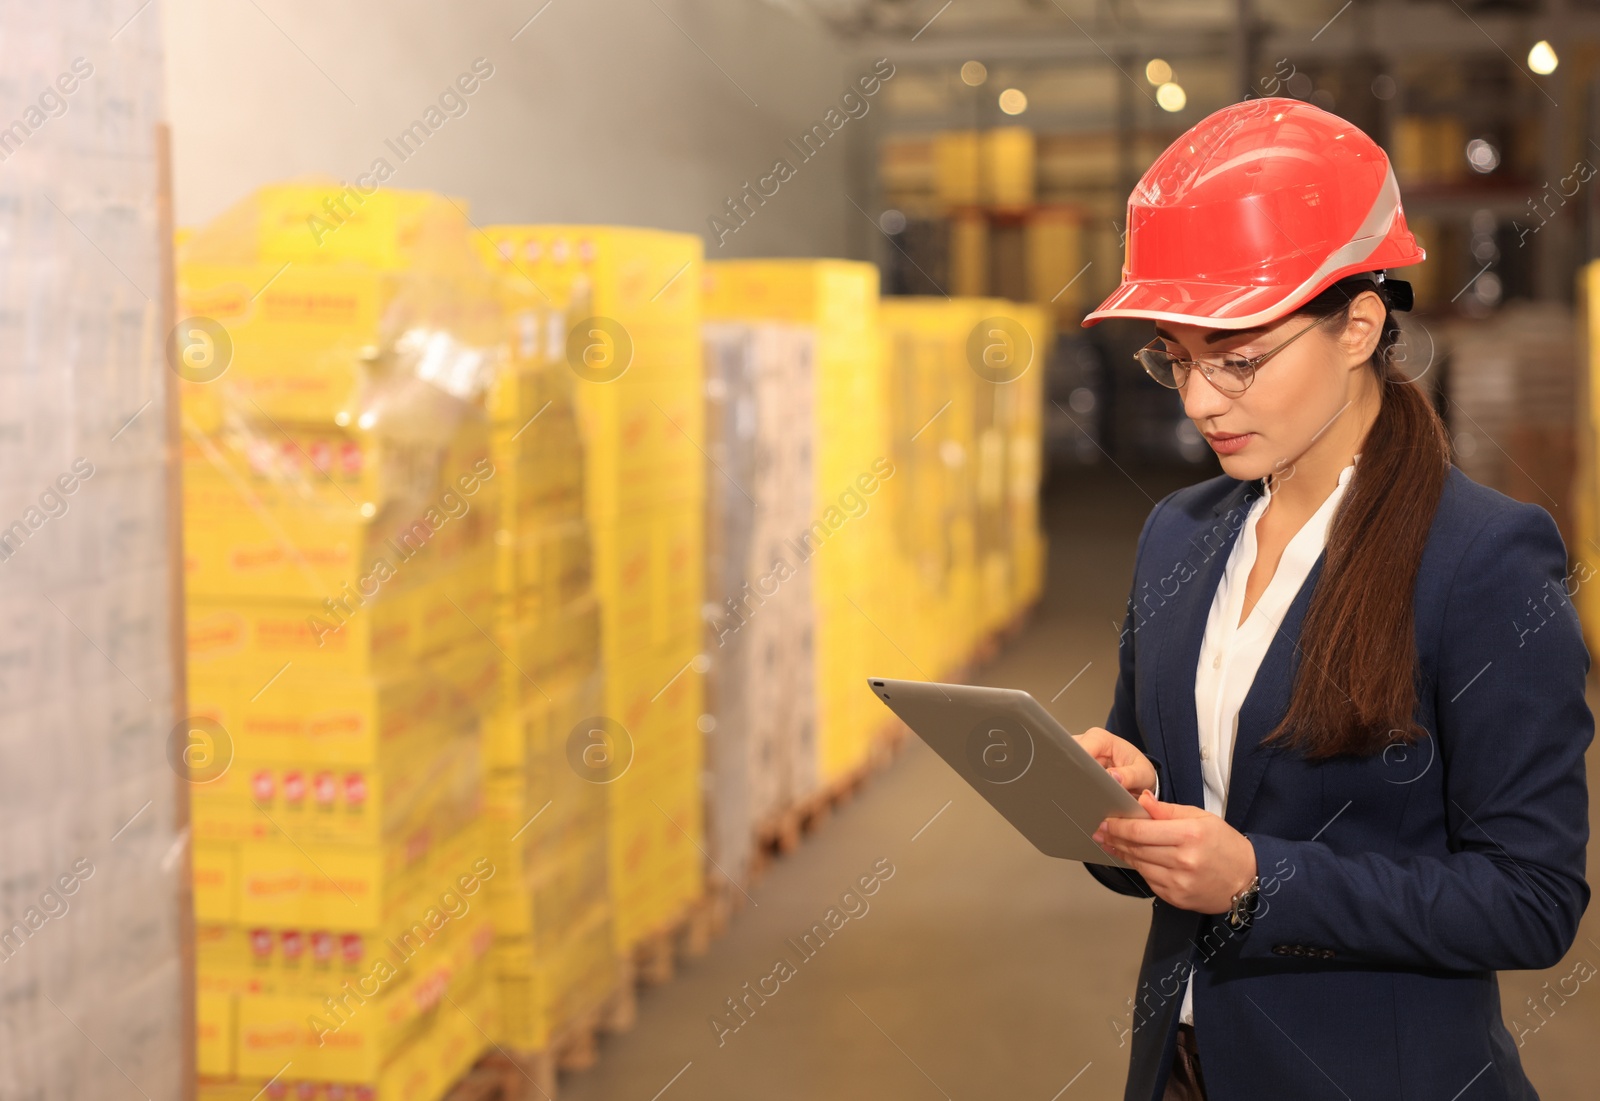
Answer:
[(1120, 757)]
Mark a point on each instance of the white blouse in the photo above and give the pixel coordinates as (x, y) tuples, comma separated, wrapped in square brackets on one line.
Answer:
[(1232, 651)]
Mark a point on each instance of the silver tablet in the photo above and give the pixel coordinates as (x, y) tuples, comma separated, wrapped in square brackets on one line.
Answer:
[(1006, 745)]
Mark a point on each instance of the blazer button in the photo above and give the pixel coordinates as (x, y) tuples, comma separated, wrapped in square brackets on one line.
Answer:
[(1327, 953), (1280, 949), (1299, 949)]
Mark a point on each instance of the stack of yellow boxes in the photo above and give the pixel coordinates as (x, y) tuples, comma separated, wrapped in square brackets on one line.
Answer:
[(1012, 348), (1055, 250), (554, 956), (632, 344), (1010, 167), (931, 432), (1023, 425), (1428, 148), (340, 500), (847, 540), (965, 381)]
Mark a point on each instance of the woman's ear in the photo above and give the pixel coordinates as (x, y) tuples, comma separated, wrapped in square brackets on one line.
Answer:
[(1364, 328)]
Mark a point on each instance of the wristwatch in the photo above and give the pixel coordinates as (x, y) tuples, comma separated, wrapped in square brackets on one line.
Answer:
[(1243, 903)]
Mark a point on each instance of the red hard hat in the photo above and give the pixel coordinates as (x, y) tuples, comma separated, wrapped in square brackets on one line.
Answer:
[(1255, 210)]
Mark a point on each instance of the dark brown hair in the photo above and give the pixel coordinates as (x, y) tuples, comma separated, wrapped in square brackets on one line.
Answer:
[(1355, 687)]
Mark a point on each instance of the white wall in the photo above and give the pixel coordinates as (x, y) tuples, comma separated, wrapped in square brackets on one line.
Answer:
[(599, 111)]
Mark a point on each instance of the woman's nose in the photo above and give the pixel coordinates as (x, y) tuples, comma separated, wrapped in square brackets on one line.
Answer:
[(1200, 398)]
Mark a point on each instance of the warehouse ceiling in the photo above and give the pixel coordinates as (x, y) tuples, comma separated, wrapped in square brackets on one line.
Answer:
[(1030, 27), (859, 17)]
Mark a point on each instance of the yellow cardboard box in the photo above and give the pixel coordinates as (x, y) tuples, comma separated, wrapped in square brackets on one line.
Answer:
[(344, 887), (301, 717), (351, 1041), (428, 781)]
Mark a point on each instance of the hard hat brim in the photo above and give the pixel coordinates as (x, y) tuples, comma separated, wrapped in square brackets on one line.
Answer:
[(1190, 302), (1221, 305)]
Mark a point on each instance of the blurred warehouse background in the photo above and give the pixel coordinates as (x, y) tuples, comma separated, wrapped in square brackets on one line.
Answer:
[(459, 465)]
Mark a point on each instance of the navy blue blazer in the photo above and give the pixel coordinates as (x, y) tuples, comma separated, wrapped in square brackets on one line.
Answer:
[(1395, 886)]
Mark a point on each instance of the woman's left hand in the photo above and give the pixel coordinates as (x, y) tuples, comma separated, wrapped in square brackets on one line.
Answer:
[(1190, 858)]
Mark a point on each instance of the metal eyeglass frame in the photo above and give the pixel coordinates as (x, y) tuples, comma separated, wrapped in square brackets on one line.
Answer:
[(1239, 366)]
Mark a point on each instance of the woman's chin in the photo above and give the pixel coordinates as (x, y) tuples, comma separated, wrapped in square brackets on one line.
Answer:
[(1240, 468)]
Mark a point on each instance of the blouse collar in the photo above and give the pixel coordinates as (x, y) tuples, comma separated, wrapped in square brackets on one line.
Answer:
[(1349, 472)]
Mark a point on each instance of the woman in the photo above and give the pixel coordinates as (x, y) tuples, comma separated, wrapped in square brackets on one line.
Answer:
[(1351, 694)]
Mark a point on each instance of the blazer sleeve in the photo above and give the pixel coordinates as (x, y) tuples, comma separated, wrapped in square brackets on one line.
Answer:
[(1123, 721), (1509, 890)]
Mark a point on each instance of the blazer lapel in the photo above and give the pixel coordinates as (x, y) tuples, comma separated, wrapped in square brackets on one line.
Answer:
[(1184, 634), (1266, 702)]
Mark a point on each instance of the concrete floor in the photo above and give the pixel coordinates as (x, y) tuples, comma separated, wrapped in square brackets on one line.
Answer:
[(981, 969)]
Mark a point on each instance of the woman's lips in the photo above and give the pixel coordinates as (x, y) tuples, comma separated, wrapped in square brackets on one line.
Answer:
[(1227, 444)]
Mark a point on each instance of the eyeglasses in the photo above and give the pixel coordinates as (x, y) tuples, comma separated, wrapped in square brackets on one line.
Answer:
[(1230, 374)]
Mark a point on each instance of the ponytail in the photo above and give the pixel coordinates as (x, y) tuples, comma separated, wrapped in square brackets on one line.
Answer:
[(1355, 688)]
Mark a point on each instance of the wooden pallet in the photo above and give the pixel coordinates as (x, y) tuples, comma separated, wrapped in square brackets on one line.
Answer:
[(688, 935), (782, 833), (535, 1075), (484, 1083), (723, 900), (504, 1075)]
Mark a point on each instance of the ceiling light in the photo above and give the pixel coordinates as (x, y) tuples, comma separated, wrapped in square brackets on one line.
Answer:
[(1483, 157), (1542, 58)]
